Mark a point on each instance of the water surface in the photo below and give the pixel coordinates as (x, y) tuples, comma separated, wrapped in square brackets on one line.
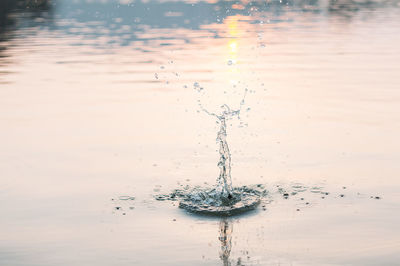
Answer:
[(97, 101)]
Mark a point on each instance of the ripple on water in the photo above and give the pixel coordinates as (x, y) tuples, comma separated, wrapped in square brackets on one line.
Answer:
[(208, 201)]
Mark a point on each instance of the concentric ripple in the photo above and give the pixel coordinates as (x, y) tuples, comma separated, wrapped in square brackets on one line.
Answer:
[(209, 201)]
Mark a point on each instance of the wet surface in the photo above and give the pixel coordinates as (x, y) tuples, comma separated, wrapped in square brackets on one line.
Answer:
[(99, 114), (209, 201)]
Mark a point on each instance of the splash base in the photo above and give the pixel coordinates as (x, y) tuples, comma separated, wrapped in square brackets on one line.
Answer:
[(211, 203)]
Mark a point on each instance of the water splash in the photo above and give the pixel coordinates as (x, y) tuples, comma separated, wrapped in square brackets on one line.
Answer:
[(207, 201), (224, 181), (210, 202), (223, 199)]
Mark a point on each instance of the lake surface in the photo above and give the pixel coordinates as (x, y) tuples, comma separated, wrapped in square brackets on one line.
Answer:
[(99, 113)]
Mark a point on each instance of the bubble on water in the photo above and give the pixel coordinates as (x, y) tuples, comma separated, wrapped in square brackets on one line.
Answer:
[(197, 86), (230, 62)]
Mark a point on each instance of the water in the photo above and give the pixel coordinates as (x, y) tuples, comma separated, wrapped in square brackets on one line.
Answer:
[(223, 199), (224, 180), (225, 229), (84, 121)]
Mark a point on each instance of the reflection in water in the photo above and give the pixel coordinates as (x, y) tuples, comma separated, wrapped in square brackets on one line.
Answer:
[(10, 10), (144, 25), (112, 16), (120, 23), (225, 237), (17, 14)]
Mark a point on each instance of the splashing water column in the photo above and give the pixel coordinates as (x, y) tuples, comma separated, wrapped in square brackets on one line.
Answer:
[(224, 181)]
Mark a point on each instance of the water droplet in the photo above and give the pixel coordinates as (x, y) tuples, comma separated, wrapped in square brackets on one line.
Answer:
[(156, 75), (197, 87)]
